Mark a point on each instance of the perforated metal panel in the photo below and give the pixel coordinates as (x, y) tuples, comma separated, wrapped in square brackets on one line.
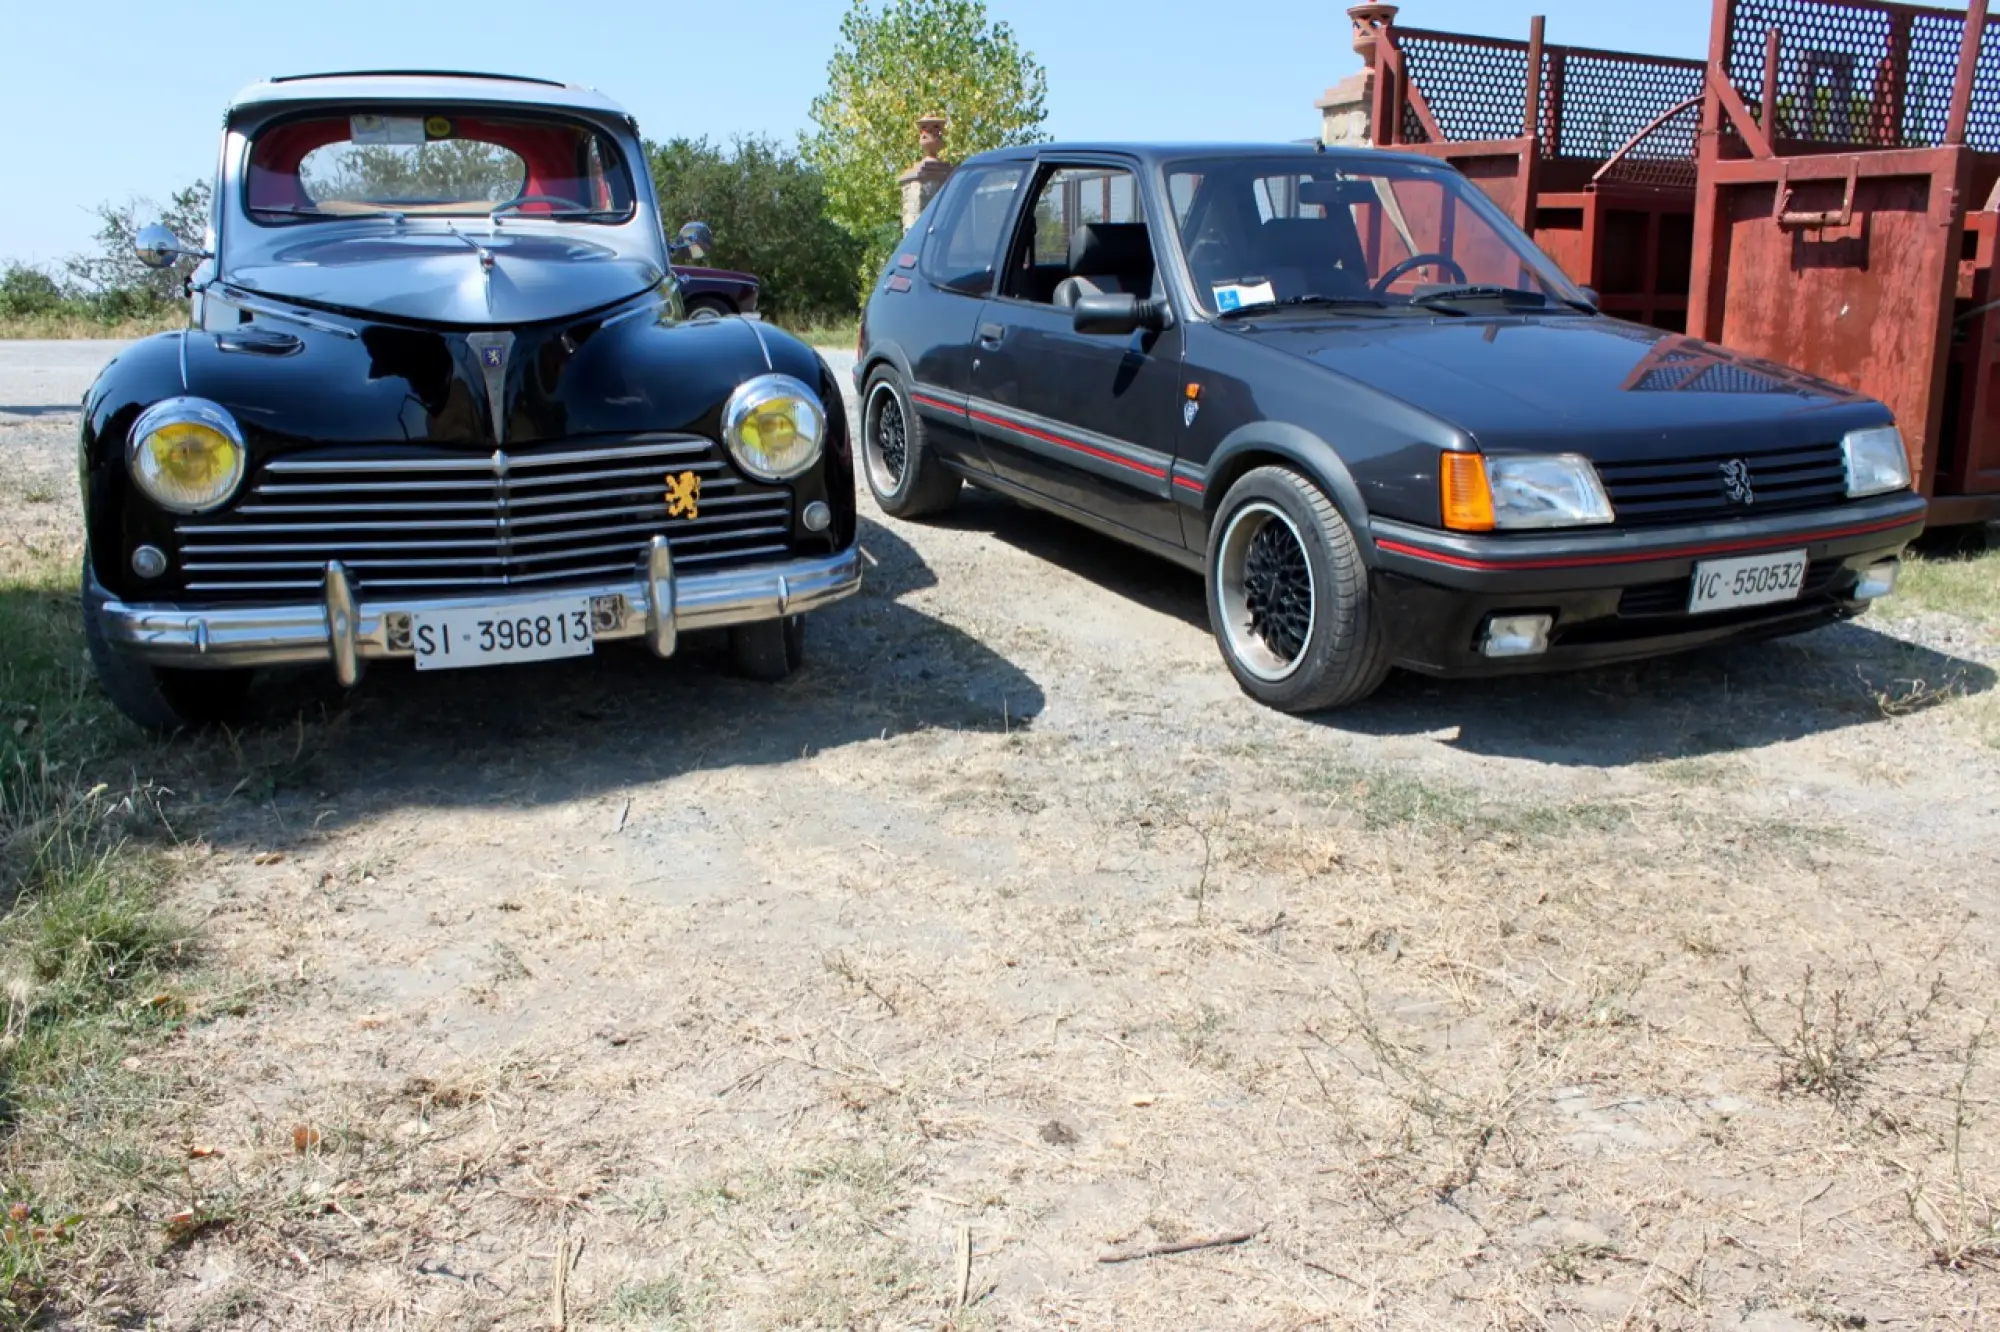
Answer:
[(1477, 88), (1863, 75)]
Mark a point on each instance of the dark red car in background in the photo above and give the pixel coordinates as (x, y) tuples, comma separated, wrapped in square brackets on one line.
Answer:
[(716, 292)]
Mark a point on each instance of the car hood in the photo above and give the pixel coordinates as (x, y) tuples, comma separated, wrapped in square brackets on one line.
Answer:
[(1592, 385), (502, 279), (340, 381)]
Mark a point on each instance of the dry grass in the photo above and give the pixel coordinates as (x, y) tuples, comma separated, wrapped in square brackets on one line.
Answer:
[(67, 326), (1442, 1051), (1967, 586), (649, 1005), (92, 969)]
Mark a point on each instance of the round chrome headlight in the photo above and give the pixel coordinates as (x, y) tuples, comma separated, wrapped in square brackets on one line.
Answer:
[(187, 455), (774, 426)]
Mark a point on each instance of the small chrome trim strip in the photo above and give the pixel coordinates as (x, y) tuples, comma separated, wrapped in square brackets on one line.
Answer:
[(279, 312), (757, 327), (497, 463)]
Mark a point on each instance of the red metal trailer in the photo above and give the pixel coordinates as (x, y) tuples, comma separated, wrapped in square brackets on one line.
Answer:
[(1591, 152), (1820, 192), (1844, 217)]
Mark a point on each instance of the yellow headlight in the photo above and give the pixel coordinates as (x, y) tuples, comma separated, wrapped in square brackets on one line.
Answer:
[(187, 455), (774, 426)]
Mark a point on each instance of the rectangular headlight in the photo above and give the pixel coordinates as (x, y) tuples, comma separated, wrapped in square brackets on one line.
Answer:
[(1876, 462), (1546, 490)]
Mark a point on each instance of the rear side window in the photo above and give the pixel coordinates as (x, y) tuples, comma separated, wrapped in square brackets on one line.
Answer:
[(965, 241)]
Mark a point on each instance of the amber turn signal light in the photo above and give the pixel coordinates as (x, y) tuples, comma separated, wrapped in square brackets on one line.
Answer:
[(1467, 498)]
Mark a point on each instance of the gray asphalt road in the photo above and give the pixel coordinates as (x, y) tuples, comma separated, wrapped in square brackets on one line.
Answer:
[(39, 379), (48, 378)]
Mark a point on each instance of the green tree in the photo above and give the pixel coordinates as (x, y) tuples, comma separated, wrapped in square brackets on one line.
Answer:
[(915, 58), (768, 210), (112, 279), (451, 171)]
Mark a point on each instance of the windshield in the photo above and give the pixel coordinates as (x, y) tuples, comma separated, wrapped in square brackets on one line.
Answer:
[(1260, 232), (436, 162)]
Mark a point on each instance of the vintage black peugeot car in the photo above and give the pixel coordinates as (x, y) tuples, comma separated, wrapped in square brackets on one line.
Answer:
[(1381, 422), (439, 404)]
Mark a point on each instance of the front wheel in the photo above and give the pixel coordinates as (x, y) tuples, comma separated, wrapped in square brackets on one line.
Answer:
[(768, 650), (1288, 596), (158, 698), (906, 479), (704, 308)]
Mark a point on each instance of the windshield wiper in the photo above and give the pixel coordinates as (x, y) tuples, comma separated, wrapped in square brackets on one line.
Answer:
[(1446, 297), (308, 210), (1311, 298)]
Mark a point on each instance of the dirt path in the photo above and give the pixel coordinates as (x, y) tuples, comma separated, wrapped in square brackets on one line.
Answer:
[(1010, 938)]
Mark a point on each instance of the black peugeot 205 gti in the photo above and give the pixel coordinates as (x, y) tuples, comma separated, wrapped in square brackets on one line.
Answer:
[(1385, 427)]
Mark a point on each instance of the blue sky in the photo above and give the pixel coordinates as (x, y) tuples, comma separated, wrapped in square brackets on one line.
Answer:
[(124, 98)]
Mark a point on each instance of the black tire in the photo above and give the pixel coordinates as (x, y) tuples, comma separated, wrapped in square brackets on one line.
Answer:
[(709, 307), (769, 650), (156, 698), (906, 480), (1288, 596)]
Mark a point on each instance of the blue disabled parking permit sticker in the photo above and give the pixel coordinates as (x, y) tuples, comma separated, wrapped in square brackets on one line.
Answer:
[(1236, 295)]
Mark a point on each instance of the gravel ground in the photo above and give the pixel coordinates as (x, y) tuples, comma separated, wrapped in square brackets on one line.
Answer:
[(1010, 940)]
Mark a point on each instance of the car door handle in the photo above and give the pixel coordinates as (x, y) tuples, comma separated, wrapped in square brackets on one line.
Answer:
[(990, 335)]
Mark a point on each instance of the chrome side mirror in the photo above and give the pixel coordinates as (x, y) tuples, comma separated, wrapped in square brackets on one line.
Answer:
[(694, 241), (160, 248)]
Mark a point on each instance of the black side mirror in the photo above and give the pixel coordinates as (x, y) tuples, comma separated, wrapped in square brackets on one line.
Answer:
[(694, 241), (1117, 313), (1596, 301)]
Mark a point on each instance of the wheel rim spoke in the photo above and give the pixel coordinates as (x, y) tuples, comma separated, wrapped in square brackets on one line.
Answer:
[(1278, 590), (891, 438)]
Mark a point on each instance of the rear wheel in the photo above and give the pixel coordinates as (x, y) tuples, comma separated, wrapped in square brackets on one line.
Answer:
[(709, 307), (768, 650), (1288, 596), (905, 478), (158, 698)]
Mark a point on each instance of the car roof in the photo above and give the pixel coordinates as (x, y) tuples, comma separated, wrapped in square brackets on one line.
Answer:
[(1152, 154), (423, 86)]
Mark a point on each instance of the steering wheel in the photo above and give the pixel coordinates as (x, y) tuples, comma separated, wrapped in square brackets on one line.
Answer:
[(1414, 262), (521, 201)]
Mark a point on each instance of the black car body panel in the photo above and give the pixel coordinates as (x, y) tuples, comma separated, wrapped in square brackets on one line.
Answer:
[(1141, 436)]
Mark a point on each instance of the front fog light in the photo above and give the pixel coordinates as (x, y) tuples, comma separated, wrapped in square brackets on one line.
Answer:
[(774, 426), (1878, 580), (1516, 636), (1876, 462), (186, 454)]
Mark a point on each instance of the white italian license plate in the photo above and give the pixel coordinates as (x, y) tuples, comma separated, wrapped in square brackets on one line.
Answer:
[(1755, 580), (498, 635)]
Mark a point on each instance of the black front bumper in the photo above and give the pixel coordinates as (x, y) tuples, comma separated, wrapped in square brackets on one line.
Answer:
[(1617, 595)]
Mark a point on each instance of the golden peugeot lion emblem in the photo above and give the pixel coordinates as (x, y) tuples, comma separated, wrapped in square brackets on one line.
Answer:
[(683, 495)]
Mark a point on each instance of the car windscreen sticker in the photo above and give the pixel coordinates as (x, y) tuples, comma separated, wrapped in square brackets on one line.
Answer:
[(385, 129), (437, 127), (1236, 295)]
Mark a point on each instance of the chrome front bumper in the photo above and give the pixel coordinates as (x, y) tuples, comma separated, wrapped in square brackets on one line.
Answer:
[(656, 605)]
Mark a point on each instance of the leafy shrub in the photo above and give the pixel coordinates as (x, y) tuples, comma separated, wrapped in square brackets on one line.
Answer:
[(768, 211)]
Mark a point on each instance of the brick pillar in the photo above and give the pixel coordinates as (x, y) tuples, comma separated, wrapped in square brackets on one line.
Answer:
[(1344, 110), (921, 182)]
